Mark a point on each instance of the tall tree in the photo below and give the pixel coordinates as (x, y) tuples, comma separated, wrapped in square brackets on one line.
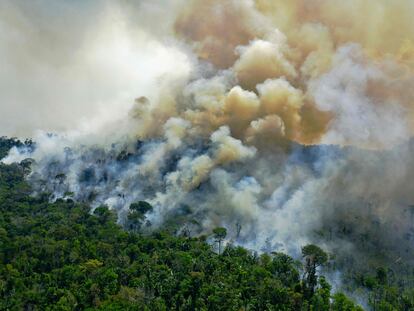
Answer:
[(220, 234), (314, 257)]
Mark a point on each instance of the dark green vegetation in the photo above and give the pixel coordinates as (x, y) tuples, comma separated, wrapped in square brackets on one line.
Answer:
[(7, 143), (59, 256)]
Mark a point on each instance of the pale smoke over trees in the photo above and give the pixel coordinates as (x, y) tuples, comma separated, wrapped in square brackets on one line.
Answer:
[(286, 122)]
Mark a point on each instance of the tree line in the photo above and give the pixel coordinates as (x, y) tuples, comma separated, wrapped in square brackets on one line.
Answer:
[(61, 256)]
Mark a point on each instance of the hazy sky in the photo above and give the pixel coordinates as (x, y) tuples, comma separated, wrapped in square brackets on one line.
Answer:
[(69, 64)]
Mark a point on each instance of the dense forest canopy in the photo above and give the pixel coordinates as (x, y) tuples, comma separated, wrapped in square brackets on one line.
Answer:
[(207, 155), (62, 256)]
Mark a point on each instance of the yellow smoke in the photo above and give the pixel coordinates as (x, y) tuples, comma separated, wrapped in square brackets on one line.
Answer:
[(274, 52)]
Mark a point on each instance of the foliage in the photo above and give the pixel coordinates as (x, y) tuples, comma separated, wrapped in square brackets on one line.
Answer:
[(136, 215), (314, 257), (58, 256), (219, 234), (7, 143), (62, 256)]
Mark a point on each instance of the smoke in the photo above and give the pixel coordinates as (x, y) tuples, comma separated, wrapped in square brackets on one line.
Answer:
[(69, 66), (287, 122)]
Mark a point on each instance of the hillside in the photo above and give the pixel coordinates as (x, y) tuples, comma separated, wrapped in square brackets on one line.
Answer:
[(59, 256), (207, 155)]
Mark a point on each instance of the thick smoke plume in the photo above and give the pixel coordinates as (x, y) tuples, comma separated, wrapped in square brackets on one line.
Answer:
[(287, 122)]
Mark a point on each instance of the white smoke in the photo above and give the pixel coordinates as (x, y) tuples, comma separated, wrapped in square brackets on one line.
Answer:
[(78, 66), (157, 102), (360, 117)]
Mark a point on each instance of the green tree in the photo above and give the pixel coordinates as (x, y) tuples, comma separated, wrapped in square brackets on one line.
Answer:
[(314, 257), (343, 303), (136, 216), (219, 235)]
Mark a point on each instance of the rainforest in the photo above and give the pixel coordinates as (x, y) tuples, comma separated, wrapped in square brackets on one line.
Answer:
[(207, 155)]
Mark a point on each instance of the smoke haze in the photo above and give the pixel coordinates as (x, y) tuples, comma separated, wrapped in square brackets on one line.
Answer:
[(290, 119)]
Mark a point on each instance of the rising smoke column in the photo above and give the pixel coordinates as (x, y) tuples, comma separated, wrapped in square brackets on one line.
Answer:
[(289, 119)]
